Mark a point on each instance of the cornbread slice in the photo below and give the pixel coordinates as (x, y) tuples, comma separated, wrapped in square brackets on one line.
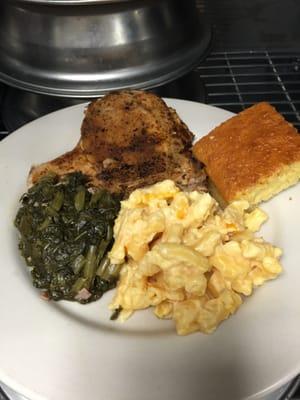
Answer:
[(252, 156)]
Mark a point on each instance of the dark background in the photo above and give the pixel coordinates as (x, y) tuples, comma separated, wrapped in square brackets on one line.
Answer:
[(254, 24)]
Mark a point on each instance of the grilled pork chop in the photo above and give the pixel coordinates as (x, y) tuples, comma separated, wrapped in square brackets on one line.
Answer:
[(130, 139)]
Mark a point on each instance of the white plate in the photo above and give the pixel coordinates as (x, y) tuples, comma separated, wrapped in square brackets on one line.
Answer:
[(66, 351)]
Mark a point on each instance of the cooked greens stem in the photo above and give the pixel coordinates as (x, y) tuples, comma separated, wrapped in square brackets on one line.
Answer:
[(51, 212), (101, 249), (103, 265), (45, 223), (78, 264), (24, 225), (80, 236), (78, 285), (58, 201), (96, 197), (80, 199), (112, 271), (90, 264), (109, 233), (116, 313)]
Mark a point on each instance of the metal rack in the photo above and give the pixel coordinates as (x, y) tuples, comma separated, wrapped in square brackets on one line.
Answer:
[(236, 80)]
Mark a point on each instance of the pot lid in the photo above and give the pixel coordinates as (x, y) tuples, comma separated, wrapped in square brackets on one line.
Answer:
[(83, 54)]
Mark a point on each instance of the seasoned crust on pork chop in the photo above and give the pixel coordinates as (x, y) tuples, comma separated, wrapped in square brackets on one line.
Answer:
[(123, 124), (130, 139)]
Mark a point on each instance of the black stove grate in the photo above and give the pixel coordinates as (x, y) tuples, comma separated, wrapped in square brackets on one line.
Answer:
[(236, 80)]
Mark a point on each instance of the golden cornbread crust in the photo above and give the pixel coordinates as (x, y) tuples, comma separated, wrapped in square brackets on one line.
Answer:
[(249, 150)]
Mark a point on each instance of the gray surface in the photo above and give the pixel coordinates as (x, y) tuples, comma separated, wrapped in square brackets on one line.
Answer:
[(254, 24)]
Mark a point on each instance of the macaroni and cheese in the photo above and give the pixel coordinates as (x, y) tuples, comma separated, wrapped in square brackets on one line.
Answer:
[(186, 257)]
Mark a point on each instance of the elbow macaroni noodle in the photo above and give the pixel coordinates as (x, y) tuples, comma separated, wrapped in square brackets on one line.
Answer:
[(187, 258)]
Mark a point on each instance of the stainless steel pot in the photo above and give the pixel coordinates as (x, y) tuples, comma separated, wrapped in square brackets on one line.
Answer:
[(84, 48)]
